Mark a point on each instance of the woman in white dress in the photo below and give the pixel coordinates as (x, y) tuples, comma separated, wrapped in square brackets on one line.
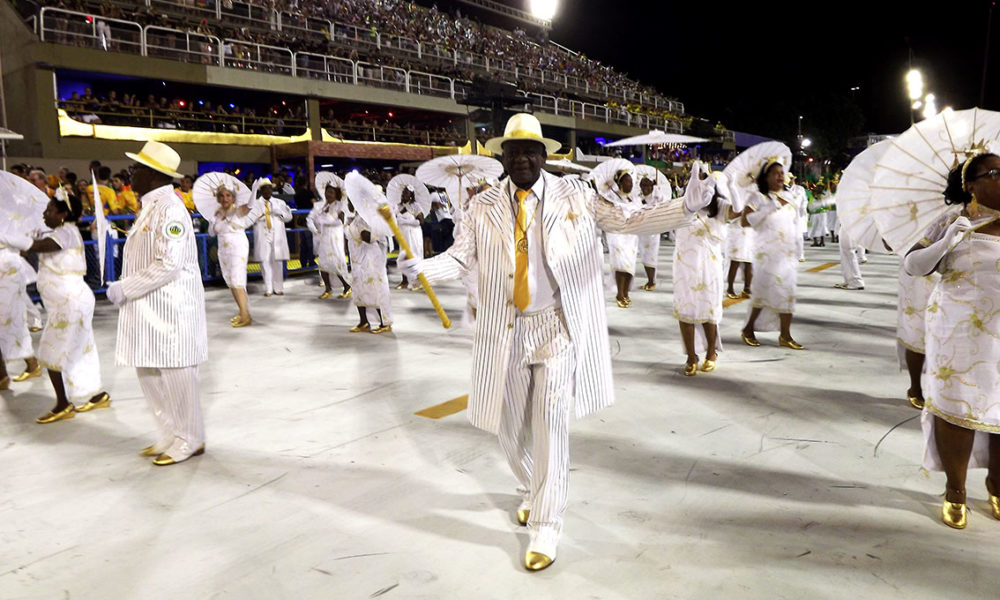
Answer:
[(774, 220), (739, 252), (623, 249), (649, 245), (817, 210), (67, 348), (15, 338), (371, 280), (409, 218), (911, 312), (230, 224), (698, 282), (961, 383), (327, 219)]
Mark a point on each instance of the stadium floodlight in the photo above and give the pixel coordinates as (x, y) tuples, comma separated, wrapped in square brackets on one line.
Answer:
[(914, 84), (806, 142), (544, 9)]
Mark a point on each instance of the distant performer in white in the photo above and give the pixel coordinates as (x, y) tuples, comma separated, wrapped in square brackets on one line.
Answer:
[(270, 244)]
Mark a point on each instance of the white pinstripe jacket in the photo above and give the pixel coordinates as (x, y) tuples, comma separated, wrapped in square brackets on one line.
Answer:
[(571, 214), (162, 322)]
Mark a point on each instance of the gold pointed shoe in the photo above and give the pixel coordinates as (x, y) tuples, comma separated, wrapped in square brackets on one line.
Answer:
[(51, 417), (732, 296), (243, 322), (649, 287), (346, 294), (915, 402), (150, 451), (522, 515), (102, 400), (994, 500), (708, 366), (749, 341), (628, 302), (164, 459), (326, 295), (691, 370), (745, 294), (366, 328), (536, 561), (954, 515), (621, 303), (790, 343), (383, 329), (36, 372)]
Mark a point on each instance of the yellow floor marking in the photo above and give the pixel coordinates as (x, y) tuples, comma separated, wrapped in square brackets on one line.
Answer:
[(444, 409), (822, 267), (727, 302)]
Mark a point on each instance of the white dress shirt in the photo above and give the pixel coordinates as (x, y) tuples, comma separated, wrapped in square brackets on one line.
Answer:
[(541, 282)]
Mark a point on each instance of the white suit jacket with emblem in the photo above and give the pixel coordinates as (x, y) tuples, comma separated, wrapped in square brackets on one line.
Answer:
[(571, 216), (162, 322), (275, 238)]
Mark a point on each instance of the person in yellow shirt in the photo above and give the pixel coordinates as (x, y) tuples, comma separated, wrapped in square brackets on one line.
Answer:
[(127, 201), (108, 197), (184, 192)]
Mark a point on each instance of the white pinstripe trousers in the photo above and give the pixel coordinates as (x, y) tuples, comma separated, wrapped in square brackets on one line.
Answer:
[(273, 275), (173, 396), (534, 425)]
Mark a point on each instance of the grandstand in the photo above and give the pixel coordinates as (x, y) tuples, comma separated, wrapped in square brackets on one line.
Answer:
[(369, 78)]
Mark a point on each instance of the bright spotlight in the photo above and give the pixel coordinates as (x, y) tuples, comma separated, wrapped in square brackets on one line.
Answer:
[(916, 105), (806, 142), (914, 84), (544, 9)]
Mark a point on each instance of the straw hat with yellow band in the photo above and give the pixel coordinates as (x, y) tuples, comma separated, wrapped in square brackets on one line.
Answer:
[(159, 157), (522, 126)]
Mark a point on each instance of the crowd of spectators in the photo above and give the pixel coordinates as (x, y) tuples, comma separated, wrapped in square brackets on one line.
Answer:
[(394, 21), (394, 130)]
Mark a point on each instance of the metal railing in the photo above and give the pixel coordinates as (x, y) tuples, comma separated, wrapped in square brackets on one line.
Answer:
[(188, 120), (184, 46), (257, 57), (90, 31)]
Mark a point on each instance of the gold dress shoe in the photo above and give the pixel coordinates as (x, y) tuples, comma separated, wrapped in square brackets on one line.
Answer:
[(102, 400), (51, 417), (745, 294), (36, 372), (325, 295), (994, 500), (164, 459), (790, 343), (954, 515), (234, 319), (732, 296), (691, 370), (749, 341), (366, 328), (648, 287), (150, 451), (628, 302), (243, 322), (5, 383), (401, 286), (708, 366), (346, 294), (536, 561), (917, 403), (522, 515), (383, 329), (621, 303)]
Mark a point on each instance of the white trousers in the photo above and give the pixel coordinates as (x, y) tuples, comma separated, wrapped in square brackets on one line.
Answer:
[(534, 425), (173, 396), (850, 264), (273, 274)]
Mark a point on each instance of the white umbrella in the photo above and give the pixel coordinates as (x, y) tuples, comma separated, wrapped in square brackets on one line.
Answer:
[(743, 170), (603, 177), (854, 196), (657, 138), (653, 174), (455, 172), (907, 191), (325, 179), (394, 193), (366, 199), (206, 189), (565, 164), (21, 208)]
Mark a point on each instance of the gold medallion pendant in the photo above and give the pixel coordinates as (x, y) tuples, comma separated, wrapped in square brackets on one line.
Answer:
[(522, 245)]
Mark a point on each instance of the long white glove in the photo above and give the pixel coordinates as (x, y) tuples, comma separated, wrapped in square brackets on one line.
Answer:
[(922, 262), (754, 218), (699, 191), (115, 294), (410, 267)]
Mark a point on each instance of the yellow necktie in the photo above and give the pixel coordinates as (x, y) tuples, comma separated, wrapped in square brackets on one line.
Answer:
[(522, 295), (267, 213)]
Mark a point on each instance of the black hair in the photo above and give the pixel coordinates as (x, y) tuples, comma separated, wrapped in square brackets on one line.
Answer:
[(954, 192), (762, 177), (713, 206), (104, 173), (72, 207), (71, 178)]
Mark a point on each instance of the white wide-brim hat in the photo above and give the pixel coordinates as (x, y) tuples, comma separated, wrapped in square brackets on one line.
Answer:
[(522, 126), (159, 157)]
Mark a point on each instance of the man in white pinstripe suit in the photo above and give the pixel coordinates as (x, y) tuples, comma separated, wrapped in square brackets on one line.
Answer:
[(541, 340), (161, 327)]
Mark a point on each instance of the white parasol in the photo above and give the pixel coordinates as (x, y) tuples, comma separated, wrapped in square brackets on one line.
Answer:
[(653, 174), (743, 170), (910, 178), (565, 164), (657, 138), (325, 179), (21, 208), (101, 225), (394, 193), (455, 172), (854, 196), (206, 189), (603, 177), (366, 199)]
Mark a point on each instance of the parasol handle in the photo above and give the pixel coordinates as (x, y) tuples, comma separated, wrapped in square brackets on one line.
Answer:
[(386, 213)]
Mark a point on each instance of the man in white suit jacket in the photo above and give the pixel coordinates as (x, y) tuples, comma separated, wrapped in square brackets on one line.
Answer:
[(161, 326), (541, 341), (270, 244)]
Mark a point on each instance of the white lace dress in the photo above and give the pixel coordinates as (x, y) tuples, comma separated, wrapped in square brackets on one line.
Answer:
[(370, 278), (775, 261)]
